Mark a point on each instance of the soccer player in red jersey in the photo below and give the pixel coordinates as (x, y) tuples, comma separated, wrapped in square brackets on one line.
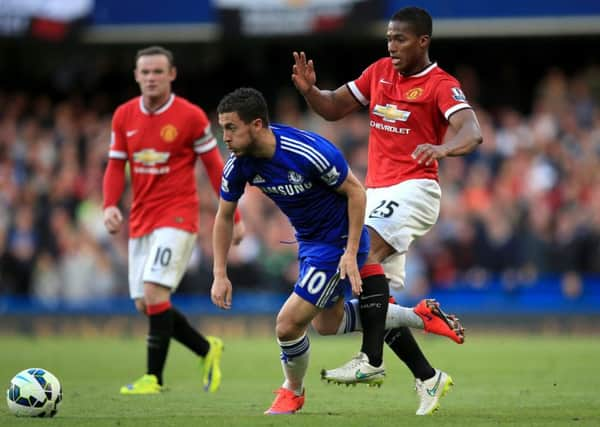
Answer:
[(411, 102), (161, 135)]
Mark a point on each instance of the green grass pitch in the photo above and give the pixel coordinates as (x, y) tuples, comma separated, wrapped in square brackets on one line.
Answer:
[(499, 381)]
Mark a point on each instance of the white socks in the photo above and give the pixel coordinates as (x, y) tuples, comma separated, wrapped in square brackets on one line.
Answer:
[(294, 361)]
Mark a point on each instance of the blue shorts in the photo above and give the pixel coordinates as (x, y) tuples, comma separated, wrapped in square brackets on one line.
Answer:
[(319, 282)]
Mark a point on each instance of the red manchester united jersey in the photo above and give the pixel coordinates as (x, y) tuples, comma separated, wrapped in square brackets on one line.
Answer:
[(161, 148), (404, 112)]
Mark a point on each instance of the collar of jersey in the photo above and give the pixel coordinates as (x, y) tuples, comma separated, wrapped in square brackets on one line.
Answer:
[(426, 70), (162, 109)]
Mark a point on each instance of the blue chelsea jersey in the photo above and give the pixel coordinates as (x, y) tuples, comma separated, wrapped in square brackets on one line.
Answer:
[(301, 179)]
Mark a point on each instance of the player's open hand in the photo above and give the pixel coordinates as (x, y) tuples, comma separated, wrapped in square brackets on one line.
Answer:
[(112, 219), (221, 292), (427, 153), (349, 268), (303, 73), (239, 231)]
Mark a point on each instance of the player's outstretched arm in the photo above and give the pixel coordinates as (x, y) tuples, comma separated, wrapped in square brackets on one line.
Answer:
[(331, 105), (221, 290), (355, 193)]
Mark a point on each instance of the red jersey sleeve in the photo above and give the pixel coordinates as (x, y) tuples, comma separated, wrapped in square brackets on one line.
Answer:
[(204, 141), (113, 183), (450, 97), (118, 142), (361, 87), (213, 163)]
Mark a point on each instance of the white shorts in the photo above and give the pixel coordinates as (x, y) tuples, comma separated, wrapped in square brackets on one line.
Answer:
[(400, 213), (159, 257)]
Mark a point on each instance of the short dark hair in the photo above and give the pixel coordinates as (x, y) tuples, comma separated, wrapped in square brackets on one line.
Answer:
[(247, 102), (419, 18), (156, 50)]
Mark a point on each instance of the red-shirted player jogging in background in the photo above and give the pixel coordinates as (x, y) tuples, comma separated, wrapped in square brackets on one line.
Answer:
[(161, 135), (411, 102)]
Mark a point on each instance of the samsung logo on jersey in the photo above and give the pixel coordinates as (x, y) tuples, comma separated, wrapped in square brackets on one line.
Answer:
[(288, 189)]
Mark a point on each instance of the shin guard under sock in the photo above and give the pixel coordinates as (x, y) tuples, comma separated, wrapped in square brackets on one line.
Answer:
[(373, 304), (161, 328)]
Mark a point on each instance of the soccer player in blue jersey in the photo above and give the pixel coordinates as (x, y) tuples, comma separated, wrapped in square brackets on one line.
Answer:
[(309, 180)]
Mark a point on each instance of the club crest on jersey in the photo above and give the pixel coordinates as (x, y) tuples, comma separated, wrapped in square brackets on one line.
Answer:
[(390, 113), (150, 157), (414, 93), (295, 178), (168, 133), (458, 95)]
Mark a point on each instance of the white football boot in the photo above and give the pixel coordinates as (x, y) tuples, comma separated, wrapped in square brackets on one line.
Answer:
[(357, 371), (431, 391)]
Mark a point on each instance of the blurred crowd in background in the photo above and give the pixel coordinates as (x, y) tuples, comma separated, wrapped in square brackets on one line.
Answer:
[(525, 204)]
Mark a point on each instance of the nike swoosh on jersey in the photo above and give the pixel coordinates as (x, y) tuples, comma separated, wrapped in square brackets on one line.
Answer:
[(385, 82), (131, 132)]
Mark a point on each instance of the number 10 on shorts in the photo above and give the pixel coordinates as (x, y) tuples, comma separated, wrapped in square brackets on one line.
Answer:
[(318, 286), (313, 280)]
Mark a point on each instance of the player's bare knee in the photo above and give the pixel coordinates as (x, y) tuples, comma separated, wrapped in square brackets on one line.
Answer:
[(155, 293), (287, 330)]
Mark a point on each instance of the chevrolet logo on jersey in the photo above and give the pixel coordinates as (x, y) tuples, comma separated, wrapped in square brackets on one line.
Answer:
[(390, 113), (150, 157)]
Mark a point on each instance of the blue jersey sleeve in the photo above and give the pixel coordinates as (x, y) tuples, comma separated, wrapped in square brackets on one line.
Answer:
[(336, 167), (233, 181)]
